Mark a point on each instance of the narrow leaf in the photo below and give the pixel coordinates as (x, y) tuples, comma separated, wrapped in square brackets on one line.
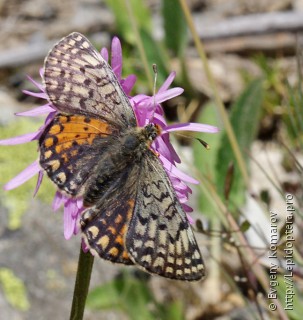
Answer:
[(205, 160), (174, 27), (244, 117)]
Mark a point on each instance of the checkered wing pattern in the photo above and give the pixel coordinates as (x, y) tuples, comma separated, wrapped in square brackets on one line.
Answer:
[(78, 80), (105, 225), (159, 237), (70, 149)]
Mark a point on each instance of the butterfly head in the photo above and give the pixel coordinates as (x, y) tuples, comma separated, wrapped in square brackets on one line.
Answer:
[(136, 141), (151, 132)]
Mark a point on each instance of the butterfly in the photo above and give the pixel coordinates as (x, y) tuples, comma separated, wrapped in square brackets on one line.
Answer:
[(94, 149)]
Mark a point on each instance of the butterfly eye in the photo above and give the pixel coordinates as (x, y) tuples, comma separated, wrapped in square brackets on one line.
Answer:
[(151, 131), (153, 136)]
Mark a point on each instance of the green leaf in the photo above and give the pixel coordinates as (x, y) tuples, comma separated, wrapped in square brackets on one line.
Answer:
[(104, 297), (175, 27), (123, 293), (205, 159), (244, 117), (14, 289), (131, 295), (174, 311), (293, 119), (141, 15)]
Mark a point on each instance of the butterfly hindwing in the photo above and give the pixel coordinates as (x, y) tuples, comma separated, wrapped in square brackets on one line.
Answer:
[(105, 225), (78, 80), (159, 237)]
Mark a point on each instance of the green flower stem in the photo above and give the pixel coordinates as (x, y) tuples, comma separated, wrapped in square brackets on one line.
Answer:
[(85, 265)]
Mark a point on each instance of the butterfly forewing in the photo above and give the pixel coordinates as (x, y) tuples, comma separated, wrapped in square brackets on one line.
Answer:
[(78, 80)]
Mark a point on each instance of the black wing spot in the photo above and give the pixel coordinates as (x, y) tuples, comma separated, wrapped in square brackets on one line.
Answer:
[(162, 227), (87, 82)]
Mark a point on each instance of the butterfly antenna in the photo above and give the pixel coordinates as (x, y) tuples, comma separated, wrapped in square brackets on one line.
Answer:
[(204, 143), (155, 69)]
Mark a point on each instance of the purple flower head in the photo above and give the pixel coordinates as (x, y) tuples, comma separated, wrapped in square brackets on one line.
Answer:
[(147, 110)]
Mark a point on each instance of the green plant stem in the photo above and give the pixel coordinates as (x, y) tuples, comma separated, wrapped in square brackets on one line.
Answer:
[(85, 265), (218, 101)]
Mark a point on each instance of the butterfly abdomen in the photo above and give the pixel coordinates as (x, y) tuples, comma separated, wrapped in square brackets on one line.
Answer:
[(124, 150)]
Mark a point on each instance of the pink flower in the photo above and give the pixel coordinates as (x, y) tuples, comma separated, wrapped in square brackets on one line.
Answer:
[(147, 109)]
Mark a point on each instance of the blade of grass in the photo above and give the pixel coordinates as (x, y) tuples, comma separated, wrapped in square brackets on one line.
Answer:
[(174, 27)]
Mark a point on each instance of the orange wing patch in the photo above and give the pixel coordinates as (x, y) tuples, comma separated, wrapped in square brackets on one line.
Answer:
[(106, 236), (66, 149), (77, 129)]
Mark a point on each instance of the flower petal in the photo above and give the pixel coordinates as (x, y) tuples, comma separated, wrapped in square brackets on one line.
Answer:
[(166, 149), (188, 209), (28, 137), (39, 181), (36, 111), (168, 94), (85, 248), (37, 84), (69, 221), (41, 72), (171, 169), (180, 186), (104, 54), (159, 119), (189, 218), (190, 126), (167, 82), (128, 83), (77, 226), (58, 201), (23, 176), (41, 95), (173, 154), (116, 57)]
